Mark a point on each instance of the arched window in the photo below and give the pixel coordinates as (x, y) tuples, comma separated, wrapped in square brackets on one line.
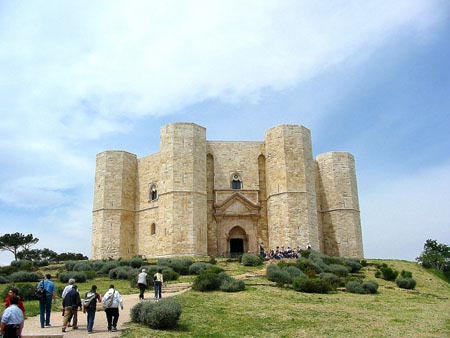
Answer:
[(153, 192), (236, 181), (153, 229)]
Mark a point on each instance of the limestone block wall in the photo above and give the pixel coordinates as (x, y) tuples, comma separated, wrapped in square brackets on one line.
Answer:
[(113, 228), (147, 211), (290, 182), (339, 205), (183, 177)]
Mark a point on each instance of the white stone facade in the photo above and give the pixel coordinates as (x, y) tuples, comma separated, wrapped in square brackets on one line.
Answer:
[(199, 197)]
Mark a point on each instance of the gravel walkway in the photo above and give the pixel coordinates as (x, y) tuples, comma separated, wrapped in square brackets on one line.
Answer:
[(33, 324)]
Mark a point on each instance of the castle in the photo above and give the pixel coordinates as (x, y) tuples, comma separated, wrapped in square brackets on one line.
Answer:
[(199, 197)]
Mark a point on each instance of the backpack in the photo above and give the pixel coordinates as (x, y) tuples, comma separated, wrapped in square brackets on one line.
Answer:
[(40, 292), (90, 296)]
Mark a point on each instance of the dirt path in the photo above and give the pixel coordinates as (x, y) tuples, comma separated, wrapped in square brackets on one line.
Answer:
[(33, 325)]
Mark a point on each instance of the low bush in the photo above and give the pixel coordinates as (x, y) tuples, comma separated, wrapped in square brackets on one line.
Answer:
[(82, 266), (108, 266), (251, 260), (4, 280), (198, 267), (24, 276), (330, 278), (370, 286), (353, 265), (121, 272), (124, 262), (70, 264), (406, 283), (295, 272), (179, 265), (157, 315), (388, 273), (79, 276), (136, 262), (230, 284), (22, 264), (311, 285), (207, 280), (280, 277), (406, 274), (356, 286), (7, 270), (337, 269)]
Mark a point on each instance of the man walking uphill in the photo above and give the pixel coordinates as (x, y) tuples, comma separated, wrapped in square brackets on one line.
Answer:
[(45, 304), (111, 302)]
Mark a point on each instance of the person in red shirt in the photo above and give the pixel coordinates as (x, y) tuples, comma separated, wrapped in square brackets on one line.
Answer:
[(14, 292)]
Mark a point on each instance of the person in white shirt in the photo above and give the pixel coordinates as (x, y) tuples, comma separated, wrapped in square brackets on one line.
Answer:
[(111, 302), (142, 283), (12, 320)]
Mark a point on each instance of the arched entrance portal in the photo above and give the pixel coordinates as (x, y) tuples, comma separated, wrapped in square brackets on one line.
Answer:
[(237, 241)]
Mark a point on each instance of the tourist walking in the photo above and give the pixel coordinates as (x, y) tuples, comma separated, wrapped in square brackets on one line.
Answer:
[(45, 304), (71, 304), (158, 279), (142, 283), (90, 306), (111, 302), (12, 320), (64, 293)]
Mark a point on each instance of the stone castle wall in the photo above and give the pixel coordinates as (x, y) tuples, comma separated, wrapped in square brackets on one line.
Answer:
[(286, 197)]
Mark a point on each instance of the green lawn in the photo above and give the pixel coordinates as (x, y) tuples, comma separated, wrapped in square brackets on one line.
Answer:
[(267, 311)]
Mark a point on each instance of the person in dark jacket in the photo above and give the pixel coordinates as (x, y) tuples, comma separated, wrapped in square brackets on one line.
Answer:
[(71, 304)]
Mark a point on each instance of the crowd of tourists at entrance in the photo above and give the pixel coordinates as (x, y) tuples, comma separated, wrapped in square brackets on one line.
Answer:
[(281, 252), (12, 320)]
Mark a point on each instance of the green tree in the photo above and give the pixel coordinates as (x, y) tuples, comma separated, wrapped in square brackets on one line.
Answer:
[(435, 255), (15, 242)]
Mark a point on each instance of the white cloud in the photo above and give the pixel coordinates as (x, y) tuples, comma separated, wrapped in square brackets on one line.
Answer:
[(399, 215)]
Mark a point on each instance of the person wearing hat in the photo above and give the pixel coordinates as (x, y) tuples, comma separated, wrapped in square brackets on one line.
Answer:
[(142, 283)]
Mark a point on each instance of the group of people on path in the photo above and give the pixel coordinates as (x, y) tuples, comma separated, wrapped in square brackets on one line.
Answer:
[(13, 317)]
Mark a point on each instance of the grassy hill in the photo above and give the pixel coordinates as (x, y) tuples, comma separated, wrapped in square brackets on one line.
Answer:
[(264, 310)]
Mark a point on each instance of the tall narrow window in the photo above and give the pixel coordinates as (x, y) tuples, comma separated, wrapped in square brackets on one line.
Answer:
[(153, 229), (153, 192), (236, 182)]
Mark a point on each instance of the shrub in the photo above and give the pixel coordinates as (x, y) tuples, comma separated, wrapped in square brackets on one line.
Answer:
[(338, 270), (70, 264), (295, 272), (124, 262), (135, 312), (108, 266), (7, 270), (353, 264), (389, 274), (98, 265), (121, 272), (198, 267), (330, 278), (24, 276), (308, 266), (79, 276), (281, 277), (232, 285), (311, 285), (207, 280), (356, 286), (26, 291), (22, 264), (406, 283), (370, 286), (82, 266), (406, 274), (180, 265), (158, 315), (136, 262), (251, 260), (4, 280)]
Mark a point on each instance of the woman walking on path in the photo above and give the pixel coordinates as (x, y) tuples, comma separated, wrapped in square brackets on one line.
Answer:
[(158, 280), (142, 283), (111, 302), (90, 306)]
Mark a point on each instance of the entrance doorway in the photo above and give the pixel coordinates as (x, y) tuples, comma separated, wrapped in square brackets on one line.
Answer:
[(236, 247)]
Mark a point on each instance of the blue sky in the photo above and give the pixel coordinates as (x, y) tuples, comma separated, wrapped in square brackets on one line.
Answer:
[(371, 78)]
